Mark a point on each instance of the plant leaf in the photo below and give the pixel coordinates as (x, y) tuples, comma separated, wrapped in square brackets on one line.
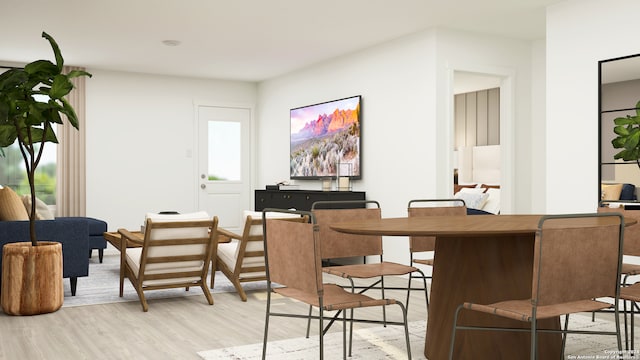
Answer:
[(61, 87), (8, 135), (621, 130), (632, 139), (56, 51)]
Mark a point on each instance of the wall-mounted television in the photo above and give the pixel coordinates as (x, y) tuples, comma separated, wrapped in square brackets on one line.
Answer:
[(325, 135)]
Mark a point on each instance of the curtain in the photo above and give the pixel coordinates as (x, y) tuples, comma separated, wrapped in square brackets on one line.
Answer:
[(71, 155)]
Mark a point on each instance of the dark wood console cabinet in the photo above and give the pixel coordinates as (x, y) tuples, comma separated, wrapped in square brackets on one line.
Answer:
[(301, 199)]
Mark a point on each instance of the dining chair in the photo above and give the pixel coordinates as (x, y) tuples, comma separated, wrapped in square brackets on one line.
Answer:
[(294, 262), (341, 247), (241, 259), (560, 283), (424, 244), (629, 268), (175, 252)]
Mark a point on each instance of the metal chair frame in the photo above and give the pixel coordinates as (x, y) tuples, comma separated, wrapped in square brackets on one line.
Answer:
[(533, 319)]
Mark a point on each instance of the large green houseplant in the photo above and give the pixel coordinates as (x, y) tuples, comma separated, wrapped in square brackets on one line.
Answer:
[(628, 130), (27, 119), (32, 101)]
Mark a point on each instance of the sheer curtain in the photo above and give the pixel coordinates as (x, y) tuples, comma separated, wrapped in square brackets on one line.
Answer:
[(71, 163)]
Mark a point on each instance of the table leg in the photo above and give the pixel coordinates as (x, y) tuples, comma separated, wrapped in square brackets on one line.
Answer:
[(483, 270)]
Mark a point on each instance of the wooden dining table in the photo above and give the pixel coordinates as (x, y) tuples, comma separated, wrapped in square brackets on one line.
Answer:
[(481, 259)]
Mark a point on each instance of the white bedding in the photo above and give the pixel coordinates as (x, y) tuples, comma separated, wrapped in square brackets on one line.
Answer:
[(478, 166)]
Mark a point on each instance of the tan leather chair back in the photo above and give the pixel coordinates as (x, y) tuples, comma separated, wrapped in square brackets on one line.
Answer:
[(577, 258)]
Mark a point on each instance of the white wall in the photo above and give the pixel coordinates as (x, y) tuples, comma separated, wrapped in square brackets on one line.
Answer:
[(140, 129), (538, 128), (406, 122), (579, 34)]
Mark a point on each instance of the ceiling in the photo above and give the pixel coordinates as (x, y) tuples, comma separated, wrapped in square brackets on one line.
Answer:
[(248, 40)]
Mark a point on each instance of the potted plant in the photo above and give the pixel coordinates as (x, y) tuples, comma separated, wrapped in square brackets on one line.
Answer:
[(32, 100), (628, 139)]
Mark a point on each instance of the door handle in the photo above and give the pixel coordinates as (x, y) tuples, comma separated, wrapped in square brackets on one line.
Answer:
[(203, 186)]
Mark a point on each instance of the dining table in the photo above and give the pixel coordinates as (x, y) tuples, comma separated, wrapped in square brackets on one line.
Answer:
[(481, 259)]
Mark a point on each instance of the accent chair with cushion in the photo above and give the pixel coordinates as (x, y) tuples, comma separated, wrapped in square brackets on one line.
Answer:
[(242, 259), (175, 253)]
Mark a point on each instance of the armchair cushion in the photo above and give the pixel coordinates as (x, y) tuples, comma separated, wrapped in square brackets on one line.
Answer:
[(134, 254), (228, 253)]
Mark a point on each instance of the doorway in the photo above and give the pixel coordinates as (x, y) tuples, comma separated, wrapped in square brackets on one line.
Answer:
[(224, 163), (474, 79)]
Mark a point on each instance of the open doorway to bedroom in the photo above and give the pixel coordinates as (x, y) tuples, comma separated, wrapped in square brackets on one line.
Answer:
[(477, 157)]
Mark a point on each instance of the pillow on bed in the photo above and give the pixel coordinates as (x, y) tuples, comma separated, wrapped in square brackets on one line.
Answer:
[(492, 204), (473, 200)]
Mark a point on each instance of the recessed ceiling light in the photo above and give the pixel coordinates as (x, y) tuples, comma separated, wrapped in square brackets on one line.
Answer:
[(171, 42)]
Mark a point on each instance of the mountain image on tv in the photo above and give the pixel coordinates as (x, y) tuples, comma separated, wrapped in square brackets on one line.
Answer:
[(328, 138)]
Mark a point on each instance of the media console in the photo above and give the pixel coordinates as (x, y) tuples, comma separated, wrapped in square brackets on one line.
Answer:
[(301, 199)]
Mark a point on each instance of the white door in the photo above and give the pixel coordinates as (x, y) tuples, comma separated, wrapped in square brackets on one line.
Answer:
[(224, 143)]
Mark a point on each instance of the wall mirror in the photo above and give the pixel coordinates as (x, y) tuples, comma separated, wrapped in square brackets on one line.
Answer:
[(619, 92)]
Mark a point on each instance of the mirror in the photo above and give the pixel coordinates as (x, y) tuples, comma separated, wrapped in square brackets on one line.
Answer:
[(619, 92)]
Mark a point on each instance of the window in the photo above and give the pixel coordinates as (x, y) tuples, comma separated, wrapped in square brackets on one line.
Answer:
[(14, 175), (224, 151)]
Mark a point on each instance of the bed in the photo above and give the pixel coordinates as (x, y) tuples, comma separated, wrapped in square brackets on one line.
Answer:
[(479, 177)]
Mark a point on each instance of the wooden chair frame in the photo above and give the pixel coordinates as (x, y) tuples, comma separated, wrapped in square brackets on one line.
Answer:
[(175, 277)]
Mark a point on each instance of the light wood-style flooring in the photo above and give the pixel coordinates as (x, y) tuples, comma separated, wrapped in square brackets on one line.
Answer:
[(171, 329)]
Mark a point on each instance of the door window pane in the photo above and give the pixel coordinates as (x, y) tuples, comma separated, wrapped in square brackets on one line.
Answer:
[(224, 151)]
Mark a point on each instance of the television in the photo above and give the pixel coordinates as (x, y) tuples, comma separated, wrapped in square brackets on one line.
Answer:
[(325, 136)]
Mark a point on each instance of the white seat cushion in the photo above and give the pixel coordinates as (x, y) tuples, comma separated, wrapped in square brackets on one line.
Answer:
[(227, 253), (134, 254), (133, 259)]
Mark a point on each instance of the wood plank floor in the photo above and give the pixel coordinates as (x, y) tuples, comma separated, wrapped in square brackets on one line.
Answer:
[(172, 329)]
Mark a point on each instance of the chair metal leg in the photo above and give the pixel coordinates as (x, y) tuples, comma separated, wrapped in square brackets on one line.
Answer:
[(617, 314), (344, 336), (309, 321), (350, 332), (406, 329), (424, 283), (633, 332), (320, 329), (266, 323), (564, 334), (384, 307), (408, 290), (534, 338), (626, 326), (453, 332)]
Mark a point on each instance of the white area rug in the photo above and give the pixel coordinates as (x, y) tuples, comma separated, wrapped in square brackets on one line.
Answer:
[(389, 343), (103, 283)]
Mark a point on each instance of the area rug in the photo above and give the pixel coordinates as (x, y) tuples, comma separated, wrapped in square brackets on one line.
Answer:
[(103, 283), (388, 343)]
